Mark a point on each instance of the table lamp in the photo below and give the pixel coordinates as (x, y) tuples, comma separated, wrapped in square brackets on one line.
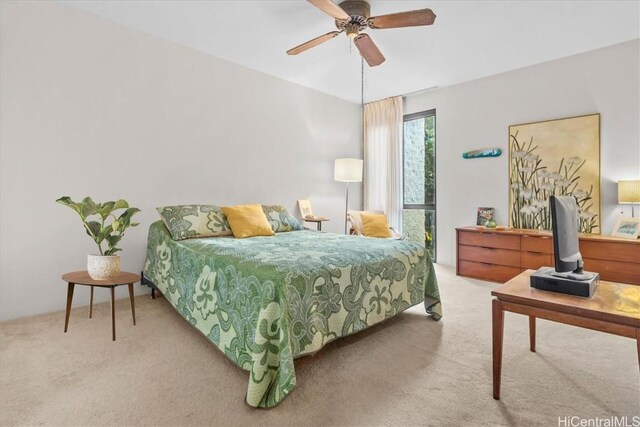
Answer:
[(347, 170), (629, 193)]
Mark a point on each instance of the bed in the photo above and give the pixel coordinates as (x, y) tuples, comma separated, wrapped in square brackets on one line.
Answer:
[(264, 301)]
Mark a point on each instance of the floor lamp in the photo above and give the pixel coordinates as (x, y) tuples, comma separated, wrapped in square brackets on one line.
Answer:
[(629, 193), (347, 170)]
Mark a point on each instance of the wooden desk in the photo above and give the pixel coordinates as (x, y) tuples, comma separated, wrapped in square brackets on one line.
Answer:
[(615, 309), (83, 278)]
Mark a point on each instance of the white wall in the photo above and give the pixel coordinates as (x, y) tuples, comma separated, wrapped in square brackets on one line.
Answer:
[(477, 114), (91, 108)]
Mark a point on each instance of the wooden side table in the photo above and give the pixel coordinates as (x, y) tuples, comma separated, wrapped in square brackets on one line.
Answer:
[(83, 278), (614, 309), (318, 220)]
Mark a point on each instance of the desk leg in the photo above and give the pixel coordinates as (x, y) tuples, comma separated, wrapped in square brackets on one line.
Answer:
[(113, 311), (532, 333), (91, 303), (69, 300), (319, 226), (133, 305), (498, 333)]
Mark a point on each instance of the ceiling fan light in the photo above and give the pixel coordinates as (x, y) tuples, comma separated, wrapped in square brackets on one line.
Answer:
[(352, 31)]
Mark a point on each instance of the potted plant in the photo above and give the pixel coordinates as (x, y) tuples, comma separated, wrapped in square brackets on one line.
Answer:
[(106, 265)]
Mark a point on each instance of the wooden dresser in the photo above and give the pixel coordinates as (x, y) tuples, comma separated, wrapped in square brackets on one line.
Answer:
[(499, 255)]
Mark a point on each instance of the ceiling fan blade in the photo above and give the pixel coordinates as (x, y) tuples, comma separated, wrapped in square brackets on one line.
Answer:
[(412, 18), (330, 8), (312, 43), (369, 50)]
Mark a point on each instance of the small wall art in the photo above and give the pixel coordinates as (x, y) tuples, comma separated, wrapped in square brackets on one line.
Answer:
[(484, 215), (486, 152)]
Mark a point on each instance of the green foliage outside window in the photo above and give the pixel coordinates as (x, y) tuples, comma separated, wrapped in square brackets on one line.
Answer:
[(420, 181)]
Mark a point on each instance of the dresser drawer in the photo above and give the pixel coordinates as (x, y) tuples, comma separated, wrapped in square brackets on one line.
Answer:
[(542, 244), (499, 255), (483, 271), (489, 240), (614, 271), (489, 255), (534, 260), (629, 252)]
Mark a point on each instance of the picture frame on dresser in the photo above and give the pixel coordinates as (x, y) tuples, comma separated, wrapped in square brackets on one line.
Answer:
[(628, 228), (484, 214)]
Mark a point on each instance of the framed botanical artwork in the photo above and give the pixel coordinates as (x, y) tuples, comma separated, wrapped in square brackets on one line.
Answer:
[(305, 208), (627, 227), (556, 157), (484, 214)]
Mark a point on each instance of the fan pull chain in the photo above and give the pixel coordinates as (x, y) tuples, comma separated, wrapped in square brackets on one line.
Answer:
[(362, 105), (362, 82), (362, 94), (362, 130)]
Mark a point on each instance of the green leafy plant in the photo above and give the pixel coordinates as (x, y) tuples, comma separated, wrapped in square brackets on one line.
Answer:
[(98, 229)]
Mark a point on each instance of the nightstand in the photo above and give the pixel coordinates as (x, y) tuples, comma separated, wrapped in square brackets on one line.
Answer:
[(82, 278), (318, 220)]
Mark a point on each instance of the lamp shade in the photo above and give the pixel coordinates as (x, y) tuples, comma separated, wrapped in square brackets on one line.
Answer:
[(629, 191), (348, 170)]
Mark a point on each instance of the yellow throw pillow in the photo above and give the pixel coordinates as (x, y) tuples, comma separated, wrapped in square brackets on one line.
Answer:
[(374, 225), (247, 221)]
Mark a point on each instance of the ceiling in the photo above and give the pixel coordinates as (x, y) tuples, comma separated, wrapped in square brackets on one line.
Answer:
[(469, 40)]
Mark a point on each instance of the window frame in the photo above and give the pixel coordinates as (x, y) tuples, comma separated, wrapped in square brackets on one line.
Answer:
[(424, 206)]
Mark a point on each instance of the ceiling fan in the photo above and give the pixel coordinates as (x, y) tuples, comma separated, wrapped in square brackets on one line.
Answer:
[(354, 16)]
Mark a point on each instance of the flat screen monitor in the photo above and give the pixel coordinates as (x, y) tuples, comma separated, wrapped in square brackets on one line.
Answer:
[(566, 246)]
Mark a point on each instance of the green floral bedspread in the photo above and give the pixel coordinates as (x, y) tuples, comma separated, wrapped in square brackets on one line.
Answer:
[(264, 301)]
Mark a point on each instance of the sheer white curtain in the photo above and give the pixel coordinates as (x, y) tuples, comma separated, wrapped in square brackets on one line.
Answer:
[(383, 158)]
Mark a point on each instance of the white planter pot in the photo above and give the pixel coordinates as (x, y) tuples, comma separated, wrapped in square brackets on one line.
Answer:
[(103, 267)]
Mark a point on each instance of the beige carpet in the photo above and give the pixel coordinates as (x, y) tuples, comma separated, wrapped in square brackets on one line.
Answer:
[(408, 371)]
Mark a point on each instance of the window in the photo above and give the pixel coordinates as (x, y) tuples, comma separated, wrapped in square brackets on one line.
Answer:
[(419, 175)]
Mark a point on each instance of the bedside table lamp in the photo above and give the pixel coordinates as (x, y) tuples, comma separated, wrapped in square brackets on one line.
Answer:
[(629, 193), (347, 170)]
